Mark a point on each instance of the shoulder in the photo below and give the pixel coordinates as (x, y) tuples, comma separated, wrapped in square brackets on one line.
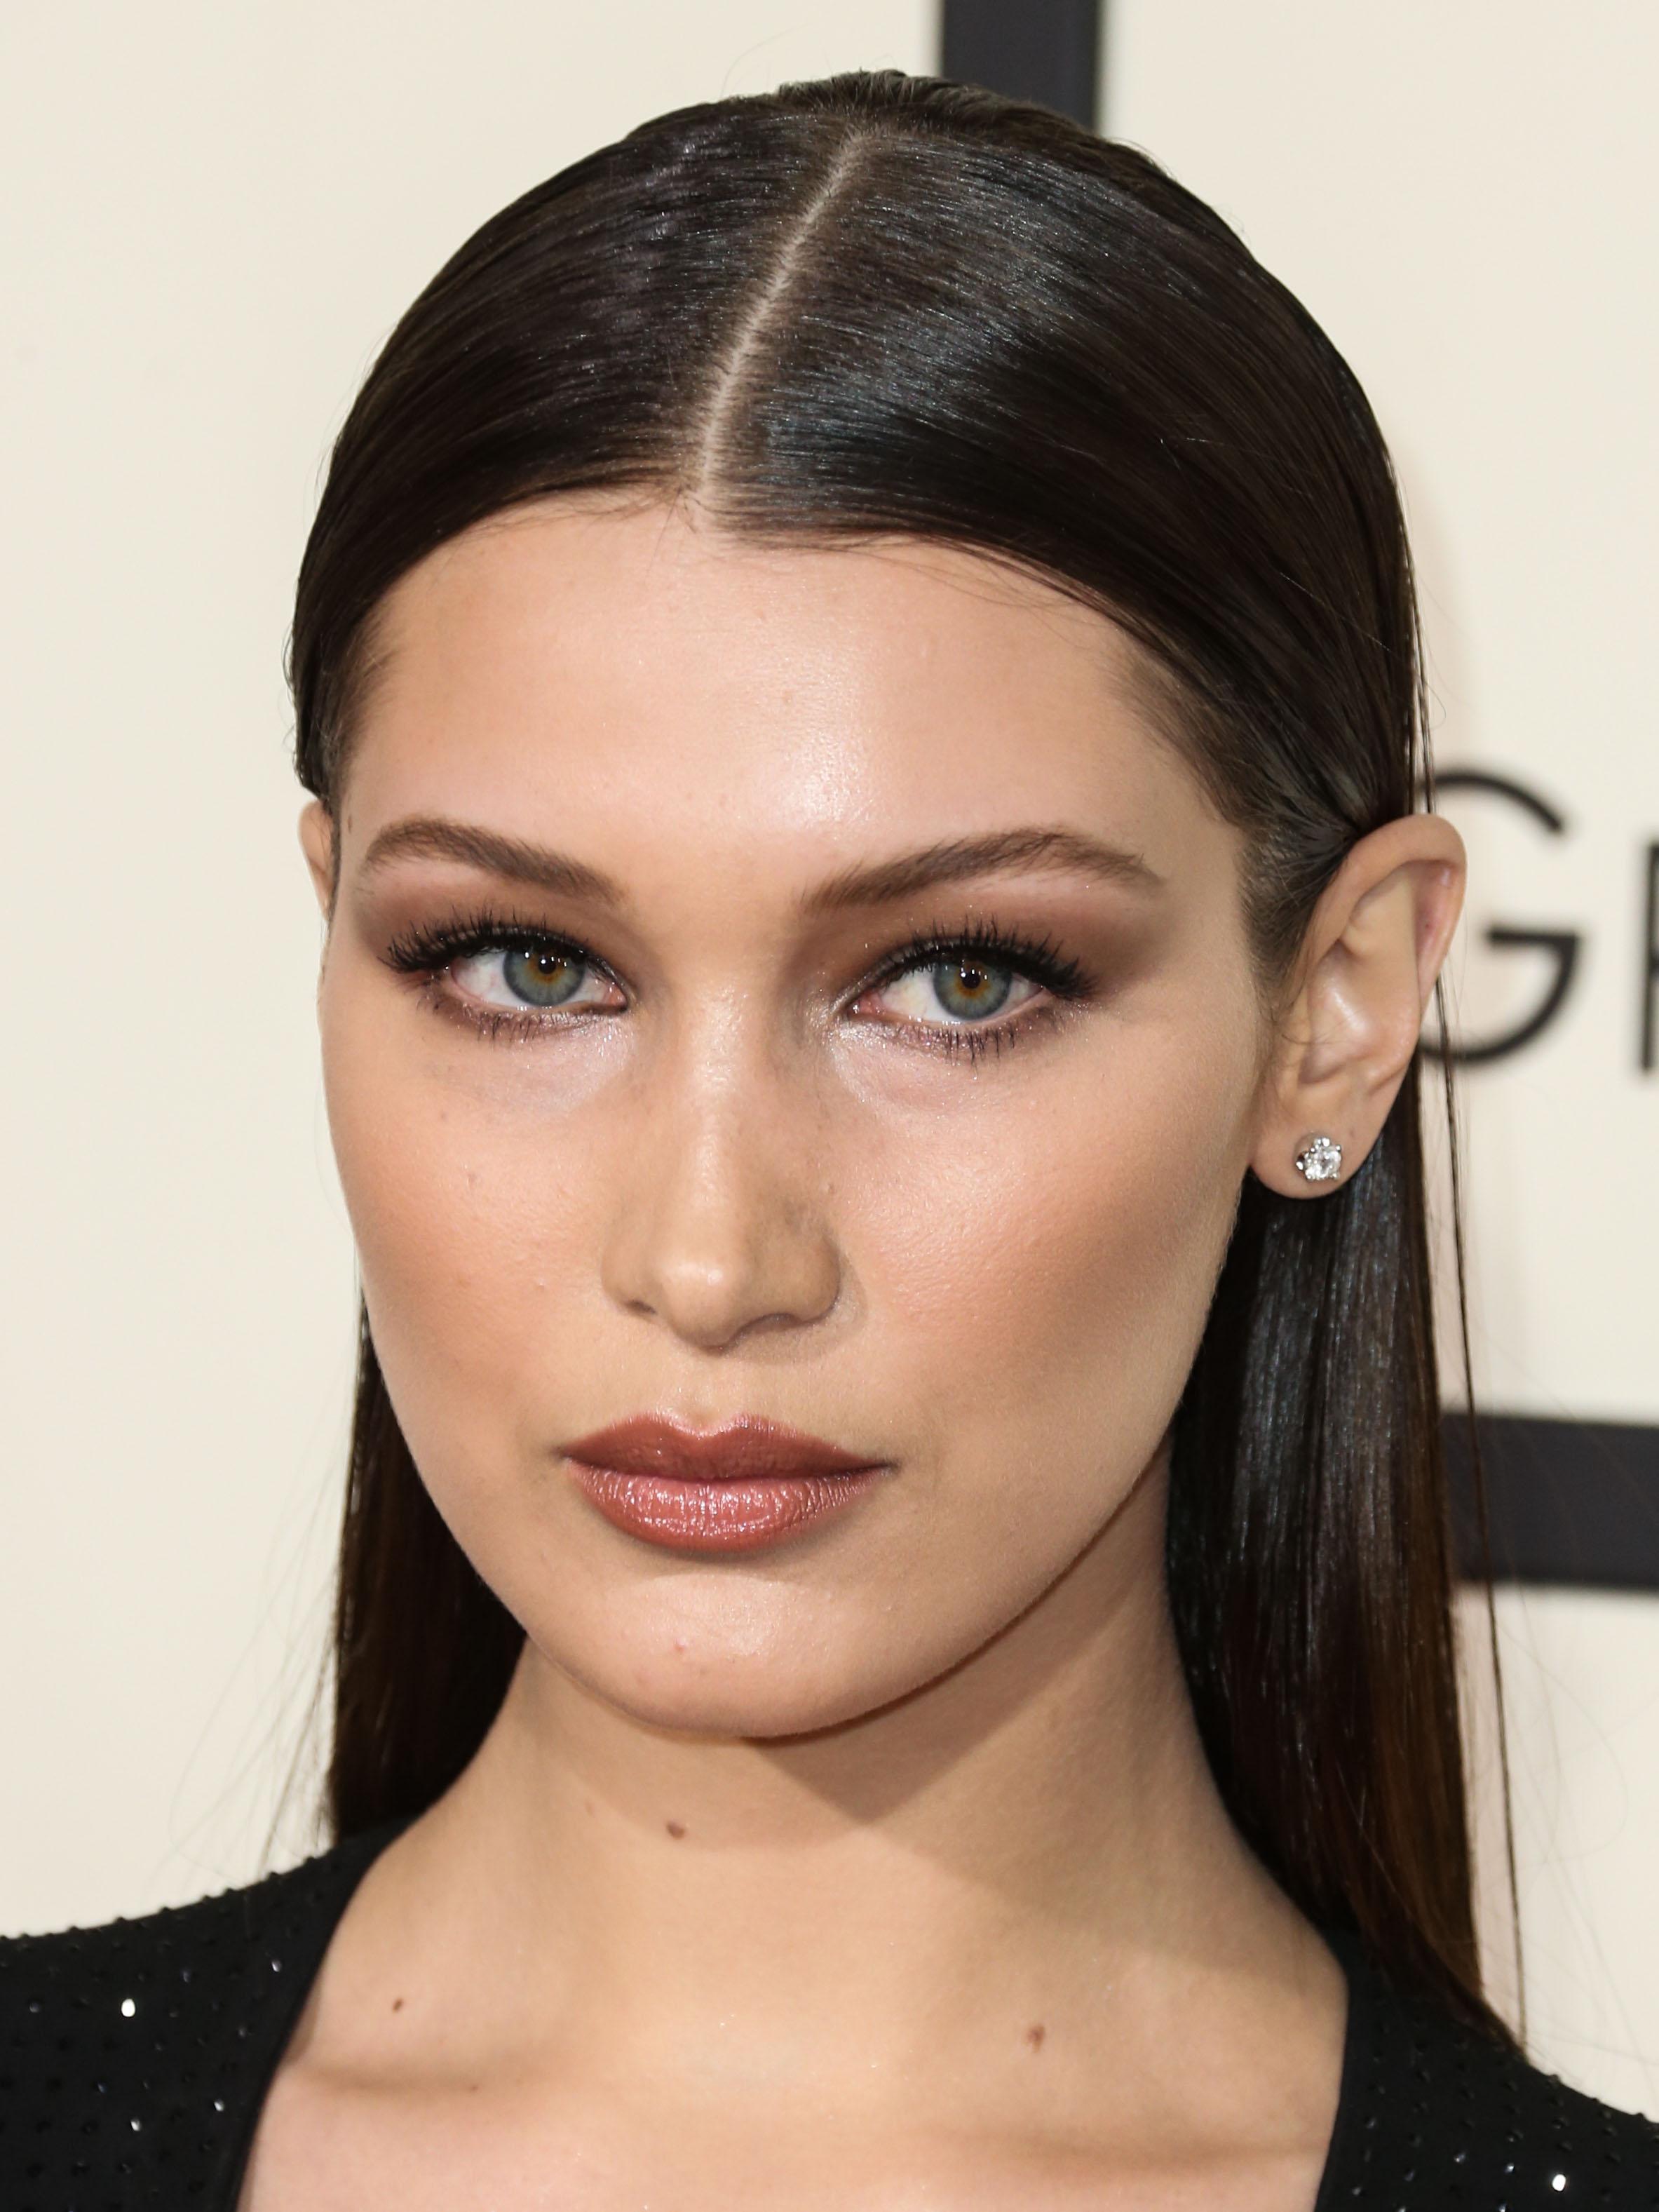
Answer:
[(133, 2055), (1435, 2113)]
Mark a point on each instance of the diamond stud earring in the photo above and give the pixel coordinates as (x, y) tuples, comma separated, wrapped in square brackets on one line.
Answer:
[(1322, 1162)]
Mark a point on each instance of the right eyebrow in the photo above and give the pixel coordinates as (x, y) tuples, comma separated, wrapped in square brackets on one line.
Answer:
[(434, 837), (1037, 849)]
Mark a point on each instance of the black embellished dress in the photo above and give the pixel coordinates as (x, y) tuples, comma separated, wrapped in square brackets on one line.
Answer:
[(134, 2059)]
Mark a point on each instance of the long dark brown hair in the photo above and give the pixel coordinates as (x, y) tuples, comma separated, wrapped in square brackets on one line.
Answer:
[(883, 303)]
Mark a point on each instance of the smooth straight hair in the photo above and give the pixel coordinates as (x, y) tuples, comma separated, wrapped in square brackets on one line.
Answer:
[(878, 303)]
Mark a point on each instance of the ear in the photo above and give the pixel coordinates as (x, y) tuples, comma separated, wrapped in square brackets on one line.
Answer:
[(1369, 962), (317, 843)]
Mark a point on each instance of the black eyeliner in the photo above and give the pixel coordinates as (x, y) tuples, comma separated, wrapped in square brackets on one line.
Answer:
[(426, 948), (1038, 958)]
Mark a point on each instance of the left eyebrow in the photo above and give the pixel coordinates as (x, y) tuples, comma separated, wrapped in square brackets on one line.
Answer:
[(436, 837), (1000, 851)]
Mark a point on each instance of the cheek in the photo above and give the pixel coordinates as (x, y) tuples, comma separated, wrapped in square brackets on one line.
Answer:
[(465, 1212), (1049, 1264)]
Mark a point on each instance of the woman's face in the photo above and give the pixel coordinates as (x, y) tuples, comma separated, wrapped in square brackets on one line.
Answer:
[(687, 1146)]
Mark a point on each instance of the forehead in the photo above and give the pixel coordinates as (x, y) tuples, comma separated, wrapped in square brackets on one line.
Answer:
[(575, 654)]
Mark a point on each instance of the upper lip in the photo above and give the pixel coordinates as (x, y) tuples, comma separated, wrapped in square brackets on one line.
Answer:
[(746, 1449)]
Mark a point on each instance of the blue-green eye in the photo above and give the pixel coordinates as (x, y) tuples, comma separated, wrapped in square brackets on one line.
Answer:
[(540, 977), (543, 978), (971, 990), (964, 989)]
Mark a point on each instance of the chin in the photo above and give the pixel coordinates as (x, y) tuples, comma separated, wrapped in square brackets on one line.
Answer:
[(734, 1710), (702, 1689)]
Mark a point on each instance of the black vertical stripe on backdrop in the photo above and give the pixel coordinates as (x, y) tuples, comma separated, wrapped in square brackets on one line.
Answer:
[(1569, 1502), (1046, 50)]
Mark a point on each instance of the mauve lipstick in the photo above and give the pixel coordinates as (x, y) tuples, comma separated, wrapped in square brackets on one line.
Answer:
[(739, 1488)]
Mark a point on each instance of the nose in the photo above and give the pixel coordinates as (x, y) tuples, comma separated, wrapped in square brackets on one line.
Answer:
[(720, 1226)]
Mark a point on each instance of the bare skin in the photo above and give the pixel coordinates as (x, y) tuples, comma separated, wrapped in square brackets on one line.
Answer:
[(882, 1868)]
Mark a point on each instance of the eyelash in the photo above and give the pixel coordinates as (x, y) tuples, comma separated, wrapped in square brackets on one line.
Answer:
[(424, 952)]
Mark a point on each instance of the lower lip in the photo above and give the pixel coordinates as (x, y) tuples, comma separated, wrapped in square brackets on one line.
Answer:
[(718, 1516)]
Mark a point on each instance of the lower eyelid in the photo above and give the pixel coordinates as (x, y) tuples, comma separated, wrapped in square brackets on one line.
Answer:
[(481, 1018), (1030, 1021), (974, 1040)]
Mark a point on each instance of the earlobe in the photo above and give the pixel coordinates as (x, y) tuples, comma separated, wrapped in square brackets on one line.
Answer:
[(317, 843), (1370, 960)]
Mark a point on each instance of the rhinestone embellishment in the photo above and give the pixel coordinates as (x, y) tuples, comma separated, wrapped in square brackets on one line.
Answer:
[(1322, 1160)]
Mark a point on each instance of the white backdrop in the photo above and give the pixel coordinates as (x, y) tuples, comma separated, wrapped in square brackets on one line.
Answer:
[(211, 216)]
